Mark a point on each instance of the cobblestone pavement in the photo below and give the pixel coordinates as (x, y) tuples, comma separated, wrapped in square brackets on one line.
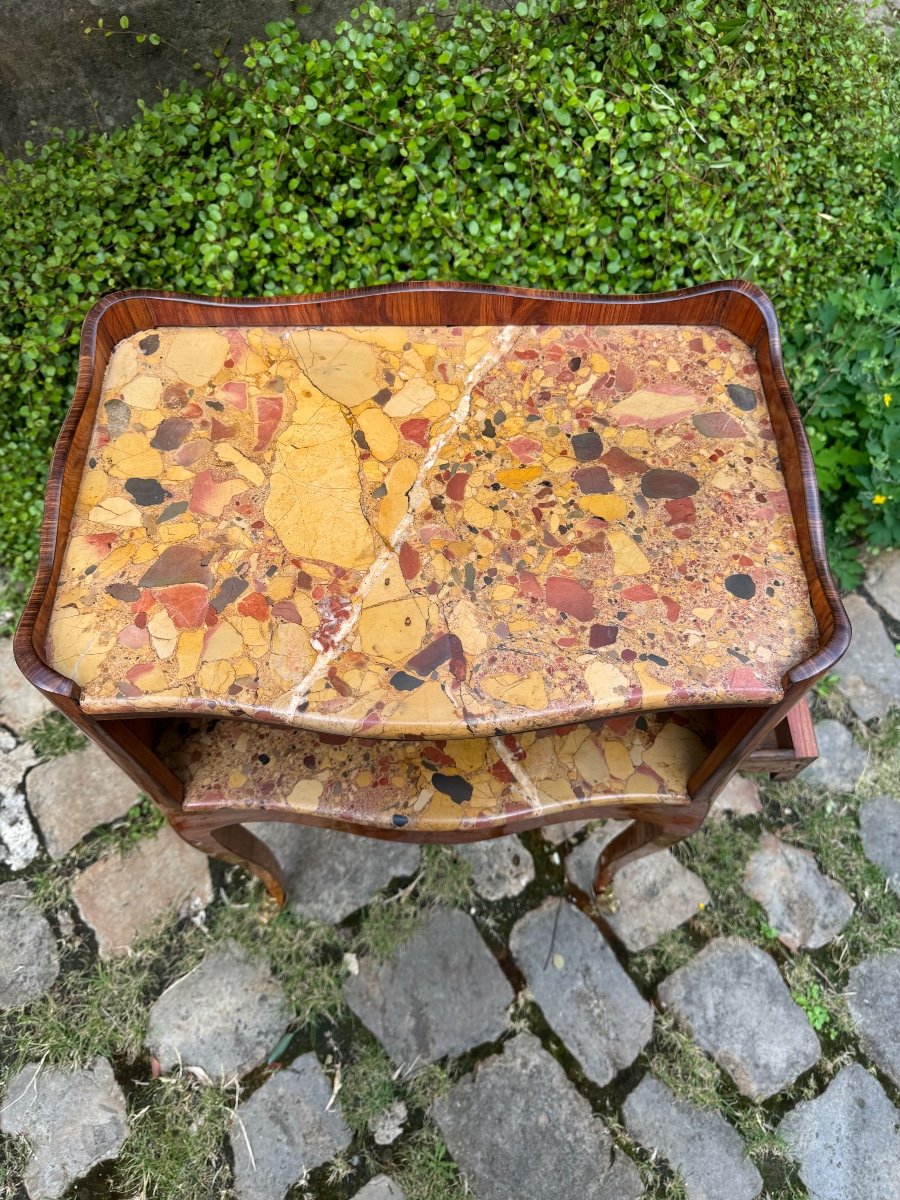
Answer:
[(418, 1022)]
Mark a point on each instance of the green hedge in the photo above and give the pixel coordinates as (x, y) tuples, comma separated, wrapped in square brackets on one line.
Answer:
[(602, 145), (846, 370)]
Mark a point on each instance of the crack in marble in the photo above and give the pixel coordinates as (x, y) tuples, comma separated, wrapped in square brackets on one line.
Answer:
[(416, 495), (522, 781)]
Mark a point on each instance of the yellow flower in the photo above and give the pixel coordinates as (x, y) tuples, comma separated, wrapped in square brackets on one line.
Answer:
[(879, 499), (887, 399)]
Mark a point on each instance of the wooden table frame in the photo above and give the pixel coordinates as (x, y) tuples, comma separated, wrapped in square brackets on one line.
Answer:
[(777, 739)]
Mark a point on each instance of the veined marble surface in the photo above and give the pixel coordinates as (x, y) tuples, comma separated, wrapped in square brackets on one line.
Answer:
[(438, 786), (438, 532)]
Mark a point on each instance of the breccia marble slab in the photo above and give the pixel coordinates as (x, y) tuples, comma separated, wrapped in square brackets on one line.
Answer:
[(448, 532)]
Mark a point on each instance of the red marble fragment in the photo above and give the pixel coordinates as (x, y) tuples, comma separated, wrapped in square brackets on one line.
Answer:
[(640, 592), (255, 606), (187, 455), (416, 430), (136, 673), (528, 585), (133, 637), (219, 431), (456, 488), (569, 596), (436, 757), (744, 680), (620, 463), (673, 608), (501, 771), (186, 604), (660, 483), (267, 411), (333, 612), (625, 377), (718, 424), (176, 564), (446, 648), (170, 433), (681, 511), (602, 635), (102, 543), (337, 683), (410, 562), (526, 449), (210, 496), (593, 481), (595, 544), (234, 393)]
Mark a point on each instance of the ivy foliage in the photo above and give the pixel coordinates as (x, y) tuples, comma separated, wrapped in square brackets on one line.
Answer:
[(603, 145)]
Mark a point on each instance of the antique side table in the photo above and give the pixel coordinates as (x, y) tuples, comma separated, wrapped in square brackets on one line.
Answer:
[(434, 562)]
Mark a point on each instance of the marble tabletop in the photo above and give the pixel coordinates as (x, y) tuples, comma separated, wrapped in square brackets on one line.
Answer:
[(430, 532)]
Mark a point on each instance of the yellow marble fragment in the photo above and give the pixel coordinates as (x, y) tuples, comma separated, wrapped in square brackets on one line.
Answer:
[(342, 369), (223, 643), (617, 759), (215, 678), (411, 398), (196, 355), (304, 795), (94, 486), (604, 681), (153, 680), (395, 505), (628, 557), (526, 691), (143, 392), (190, 643), (517, 477), (611, 507), (76, 646), (249, 470), (292, 654), (380, 432), (163, 634), (314, 501), (131, 455), (393, 631)]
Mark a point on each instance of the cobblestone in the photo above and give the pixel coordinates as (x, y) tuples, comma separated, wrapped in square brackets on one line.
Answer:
[(808, 909), (29, 962), (654, 895), (442, 993), (846, 1140), (870, 670), (224, 1016), (73, 1119), (21, 704), (284, 1130), (708, 1154), (873, 997), (518, 1128), (71, 795), (840, 763), (331, 875), (119, 898), (730, 998), (585, 995), (501, 867), (879, 827)]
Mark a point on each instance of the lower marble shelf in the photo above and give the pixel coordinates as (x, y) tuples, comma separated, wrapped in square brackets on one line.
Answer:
[(436, 788)]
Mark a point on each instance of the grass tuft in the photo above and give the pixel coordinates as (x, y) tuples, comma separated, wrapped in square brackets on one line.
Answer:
[(175, 1146), (54, 735)]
